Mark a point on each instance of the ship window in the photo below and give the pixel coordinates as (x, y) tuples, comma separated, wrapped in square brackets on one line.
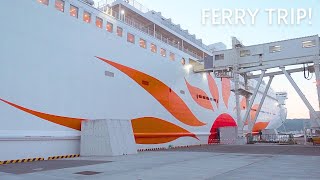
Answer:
[(172, 56), (153, 48), (273, 49), (200, 96), (109, 27), (86, 17), (183, 61), (143, 43), (309, 44), (59, 5), (244, 53), (163, 52), (219, 57), (45, 2), (119, 31), (99, 22), (74, 11), (130, 38)]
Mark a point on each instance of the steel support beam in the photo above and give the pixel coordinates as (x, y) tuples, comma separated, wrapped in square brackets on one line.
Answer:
[(260, 104), (240, 134), (279, 73), (248, 96), (256, 90), (317, 74), (119, 13), (278, 63), (304, 99), (237, 96)]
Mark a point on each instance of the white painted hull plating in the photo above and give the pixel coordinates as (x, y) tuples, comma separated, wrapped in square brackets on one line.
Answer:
[(48, 64)]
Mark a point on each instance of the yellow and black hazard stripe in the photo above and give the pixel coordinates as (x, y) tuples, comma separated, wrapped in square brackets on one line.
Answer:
[(152, 149), (21, 160), (63, 157)]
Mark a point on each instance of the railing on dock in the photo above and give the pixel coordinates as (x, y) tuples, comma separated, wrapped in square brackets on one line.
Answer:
[(272, 138)]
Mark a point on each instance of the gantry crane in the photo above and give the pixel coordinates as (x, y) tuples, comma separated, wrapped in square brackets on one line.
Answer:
[(242, 60)]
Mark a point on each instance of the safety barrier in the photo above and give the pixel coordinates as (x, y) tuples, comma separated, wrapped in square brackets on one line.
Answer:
[(21, 161), (152, 149), (63, 157), (272, 138), (211, 142), (38, 159), (222, 141)]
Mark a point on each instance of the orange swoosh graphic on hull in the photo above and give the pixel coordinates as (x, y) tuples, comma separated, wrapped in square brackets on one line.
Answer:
[(243, 103), (150, 130), (253, 113), (213, 89), (260, 126), (73, 123), (226, 90), (161, 92), (203, 102)]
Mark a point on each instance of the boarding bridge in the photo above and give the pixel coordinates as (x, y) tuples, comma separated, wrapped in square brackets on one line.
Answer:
[(242, 60)]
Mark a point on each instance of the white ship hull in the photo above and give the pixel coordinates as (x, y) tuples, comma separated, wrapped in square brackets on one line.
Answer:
[(50, 72)]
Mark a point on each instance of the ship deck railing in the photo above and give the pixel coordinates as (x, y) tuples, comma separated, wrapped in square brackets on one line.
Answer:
[(105, 6), (144, 9)]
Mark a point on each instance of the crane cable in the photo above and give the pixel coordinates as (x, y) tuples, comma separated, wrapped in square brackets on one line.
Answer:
[(307, 74)]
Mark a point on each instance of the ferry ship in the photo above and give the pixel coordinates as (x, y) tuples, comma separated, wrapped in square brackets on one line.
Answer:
[(68, 61)]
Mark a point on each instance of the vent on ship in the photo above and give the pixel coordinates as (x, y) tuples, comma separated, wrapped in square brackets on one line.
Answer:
[(145, 83), (109, 74)]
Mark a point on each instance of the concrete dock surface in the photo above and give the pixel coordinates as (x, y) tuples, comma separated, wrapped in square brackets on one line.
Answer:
[(259, 161)]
